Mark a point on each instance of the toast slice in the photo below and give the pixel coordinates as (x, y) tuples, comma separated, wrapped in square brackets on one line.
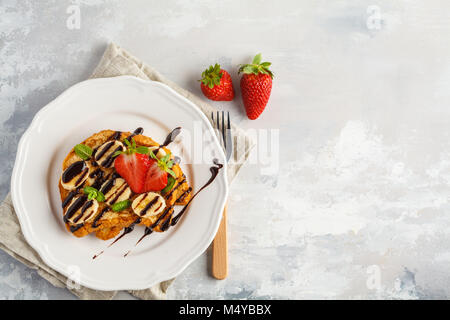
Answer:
[(83, 216)]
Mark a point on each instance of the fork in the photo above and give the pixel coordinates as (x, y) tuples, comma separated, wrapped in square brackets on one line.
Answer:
[(219, 266)]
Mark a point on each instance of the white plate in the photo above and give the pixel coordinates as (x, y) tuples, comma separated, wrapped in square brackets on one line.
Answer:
[(122, 103)]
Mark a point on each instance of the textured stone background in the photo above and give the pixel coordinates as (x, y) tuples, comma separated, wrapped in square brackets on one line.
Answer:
[(361, 102)]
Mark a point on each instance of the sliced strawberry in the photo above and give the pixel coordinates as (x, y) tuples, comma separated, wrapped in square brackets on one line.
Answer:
[(133, 168), (156, 178)]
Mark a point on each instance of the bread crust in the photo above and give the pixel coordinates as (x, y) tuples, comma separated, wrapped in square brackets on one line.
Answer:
[(111, 223)]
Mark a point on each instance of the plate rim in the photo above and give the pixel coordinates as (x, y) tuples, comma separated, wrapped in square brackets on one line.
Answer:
[(41, 248)]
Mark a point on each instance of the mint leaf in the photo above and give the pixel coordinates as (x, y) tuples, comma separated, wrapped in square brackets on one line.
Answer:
[(83, 151), (100, 196), (121, 205), (169, 186), (88, 190), (94, 194)]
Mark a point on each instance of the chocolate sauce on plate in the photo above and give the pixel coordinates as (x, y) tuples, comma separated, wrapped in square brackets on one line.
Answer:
[(126, 230), (169, 139), (168, 211), (214, 172)]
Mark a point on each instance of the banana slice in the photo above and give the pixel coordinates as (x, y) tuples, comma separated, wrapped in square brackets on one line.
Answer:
[(75, 175), (148, 204), (115, 190), (161, 153), (81, 210), (104, 154)]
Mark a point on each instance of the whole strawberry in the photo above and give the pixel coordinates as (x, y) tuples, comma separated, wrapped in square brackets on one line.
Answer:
[(216, 84), (256, 84)]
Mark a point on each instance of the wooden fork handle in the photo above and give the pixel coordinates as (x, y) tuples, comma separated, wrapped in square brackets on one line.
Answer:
[(220, 250)]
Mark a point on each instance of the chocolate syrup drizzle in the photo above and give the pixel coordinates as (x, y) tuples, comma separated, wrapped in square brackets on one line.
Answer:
[(148, 206), (126, 230), (73, 170), (109, 159), (116, 136), (77, 167), (168, 212), (77, 204), (214, 172), (104, 150), (69, 197), (99, 216), (136, 132), (83, 203), (169, 139), (98, 175)]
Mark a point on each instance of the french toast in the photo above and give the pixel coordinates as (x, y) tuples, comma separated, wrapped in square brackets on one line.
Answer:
[(97, 199)]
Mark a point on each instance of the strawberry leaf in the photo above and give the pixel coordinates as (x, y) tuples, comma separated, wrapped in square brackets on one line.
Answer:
[(165, 158), (211, 76), (257, 59), (117, 153), (169, 171), (142, 150), (152, 155), (132, 148), (256, 67), (248, 69), (169, 186)]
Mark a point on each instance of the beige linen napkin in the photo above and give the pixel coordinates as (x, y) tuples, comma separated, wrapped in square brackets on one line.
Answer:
[(115, 62)]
